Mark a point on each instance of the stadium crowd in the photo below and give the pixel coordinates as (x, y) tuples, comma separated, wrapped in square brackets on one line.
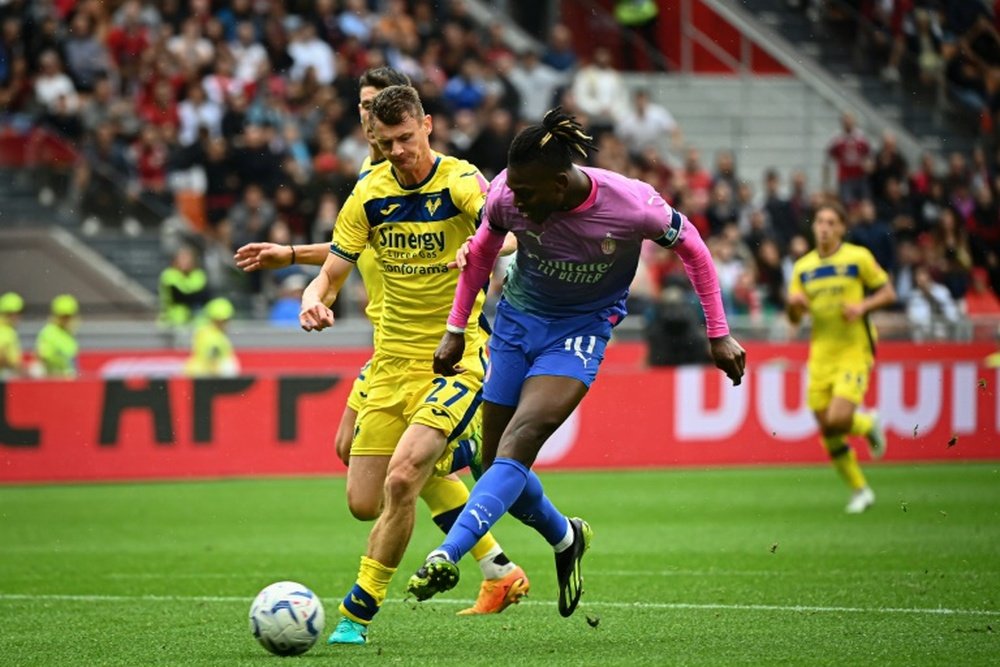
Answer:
[(241, 116)]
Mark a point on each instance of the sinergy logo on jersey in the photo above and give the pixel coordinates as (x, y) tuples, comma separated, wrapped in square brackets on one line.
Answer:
[(408, 244)]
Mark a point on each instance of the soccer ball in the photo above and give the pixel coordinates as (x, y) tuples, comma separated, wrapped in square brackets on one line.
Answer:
[(286, 618)]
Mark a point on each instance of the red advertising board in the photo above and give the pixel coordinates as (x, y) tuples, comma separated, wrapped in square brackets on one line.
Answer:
[(937, 402)]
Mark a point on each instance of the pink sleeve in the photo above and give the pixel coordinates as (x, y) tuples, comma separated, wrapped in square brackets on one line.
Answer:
[(483, 251), (700, 270)]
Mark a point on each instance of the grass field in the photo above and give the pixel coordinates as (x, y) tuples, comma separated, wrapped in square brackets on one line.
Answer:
[(716, 567)]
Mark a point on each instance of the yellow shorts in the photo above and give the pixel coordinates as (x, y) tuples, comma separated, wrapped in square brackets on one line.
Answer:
[(846, 378), (359, 390), (405, 391)]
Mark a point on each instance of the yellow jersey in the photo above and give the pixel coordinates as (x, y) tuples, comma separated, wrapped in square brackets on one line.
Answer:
[(414, 231), (212, 353), (368, 267), (829, 283)]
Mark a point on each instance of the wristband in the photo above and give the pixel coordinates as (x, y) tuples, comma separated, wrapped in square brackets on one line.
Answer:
[(451, 328), (293, 254)]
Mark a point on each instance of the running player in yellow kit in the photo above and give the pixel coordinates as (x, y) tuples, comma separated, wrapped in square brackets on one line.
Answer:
[(504, 583), (830, 284), (415, 215)]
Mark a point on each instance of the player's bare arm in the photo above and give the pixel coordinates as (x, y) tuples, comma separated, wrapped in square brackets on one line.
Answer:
[(880, 298), (462, 256), (258, 256), (798, 306), (315, 313)]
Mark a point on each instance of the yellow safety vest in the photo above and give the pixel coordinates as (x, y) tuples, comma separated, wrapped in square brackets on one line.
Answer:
[(57, 350), (635, 12)]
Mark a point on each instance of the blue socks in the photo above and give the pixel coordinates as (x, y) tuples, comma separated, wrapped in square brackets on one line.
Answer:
[(507, 485)]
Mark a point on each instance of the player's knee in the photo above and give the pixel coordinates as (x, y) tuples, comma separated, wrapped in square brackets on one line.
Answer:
[(403, 482), (364, 506), (528, 436)]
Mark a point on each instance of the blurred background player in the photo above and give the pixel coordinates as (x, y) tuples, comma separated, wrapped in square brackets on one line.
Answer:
[(579, 232), (829, 283), (445, 496), (56, 347), (11, 360), (212, 353)]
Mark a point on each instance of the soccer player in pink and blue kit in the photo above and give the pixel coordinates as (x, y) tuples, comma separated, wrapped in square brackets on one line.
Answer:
[(579, 231)]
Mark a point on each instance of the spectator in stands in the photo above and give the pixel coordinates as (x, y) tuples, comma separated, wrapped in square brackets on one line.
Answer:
[(887, 163), (983, 224), (183, 288), (249, 56), (54, 90), (56, 347), (725, 170), (536, 83), (980, 299), (500, 90), (489, 149), (559, 53), (212, 353), (148, 191), (466, 90), (873, 233), (800, 201), (11, 360), (250, 219), (850, 152), (779, 212), (722, 208), (129, 39), (599, 92), (925, 36), (196, 111), (190, 48), (770, 277), (256, 160), (648, 124), (909, 256), (309, 52), (285, 308), (949, 255), (87, 58), (104, 161), (930, 308)]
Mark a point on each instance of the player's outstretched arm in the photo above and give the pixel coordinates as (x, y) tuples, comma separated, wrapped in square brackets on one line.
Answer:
[(315, 313), (258, 256), (728, 355)]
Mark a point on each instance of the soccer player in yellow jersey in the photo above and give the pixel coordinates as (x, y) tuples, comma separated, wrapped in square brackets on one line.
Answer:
[(838, 284), (504, 583), (415, 216)]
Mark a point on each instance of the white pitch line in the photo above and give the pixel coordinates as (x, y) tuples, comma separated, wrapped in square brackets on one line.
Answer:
[(939, 611)]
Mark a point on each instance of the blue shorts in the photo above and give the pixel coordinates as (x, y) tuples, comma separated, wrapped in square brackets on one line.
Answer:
[(524, 345)]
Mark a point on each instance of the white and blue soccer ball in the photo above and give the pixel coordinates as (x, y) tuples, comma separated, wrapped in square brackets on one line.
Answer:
[(287, 618)]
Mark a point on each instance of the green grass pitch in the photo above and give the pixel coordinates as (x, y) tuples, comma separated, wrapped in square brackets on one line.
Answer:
[(714, 567)]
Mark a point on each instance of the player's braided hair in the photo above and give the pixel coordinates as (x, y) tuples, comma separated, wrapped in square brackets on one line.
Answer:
[(555, 142)]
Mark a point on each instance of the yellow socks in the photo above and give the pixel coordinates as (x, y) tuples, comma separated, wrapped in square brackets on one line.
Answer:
[(845, 461), (364, 599)]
